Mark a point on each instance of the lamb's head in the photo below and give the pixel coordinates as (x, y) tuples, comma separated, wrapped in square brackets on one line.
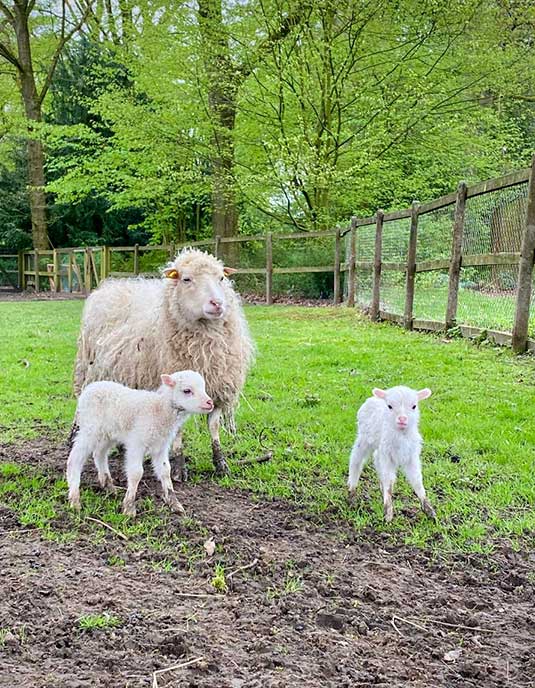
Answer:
[(199, 288), (188, 391), (402, 405)]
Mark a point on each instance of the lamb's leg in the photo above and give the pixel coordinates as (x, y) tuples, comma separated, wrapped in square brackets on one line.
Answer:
[(359, 454), (180, 470), (100, 457), (387, 478), (79, 454), (413, 473), (162, 470), (221, 467), (134, 473)]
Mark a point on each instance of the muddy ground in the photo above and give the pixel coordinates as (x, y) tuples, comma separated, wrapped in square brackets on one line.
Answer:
[(365, 613)]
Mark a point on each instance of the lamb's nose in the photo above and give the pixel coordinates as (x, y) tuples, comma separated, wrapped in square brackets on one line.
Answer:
[(402, 419)]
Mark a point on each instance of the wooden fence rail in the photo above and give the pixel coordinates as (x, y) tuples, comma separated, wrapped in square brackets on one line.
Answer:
[(82, 269)]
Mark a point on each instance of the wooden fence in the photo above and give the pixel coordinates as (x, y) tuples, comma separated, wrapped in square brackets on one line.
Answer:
[(82, 269)]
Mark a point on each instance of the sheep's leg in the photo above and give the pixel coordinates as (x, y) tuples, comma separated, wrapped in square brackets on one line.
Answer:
[(180, 472), (134, 473), (100, 457), (221, 467), (413, 473), (79, 454), (359, 454), (162, 470), (387, 478)]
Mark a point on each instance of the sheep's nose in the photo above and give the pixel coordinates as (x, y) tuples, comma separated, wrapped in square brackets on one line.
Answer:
[(216, 303), (208, 404), (402, 420)]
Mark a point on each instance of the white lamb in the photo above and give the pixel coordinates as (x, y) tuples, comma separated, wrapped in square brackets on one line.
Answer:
[(388, 428), (143, 422)]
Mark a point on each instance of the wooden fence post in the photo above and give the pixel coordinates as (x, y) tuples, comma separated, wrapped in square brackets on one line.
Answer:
[(411, 268), (87, 271), (36, 268), (20, 268), (56, 277), (69, 271), (525, 271), (269, 269), (456, 256), (136, 259), (336, 278), (376, 291), (352, 260), (217, 247)]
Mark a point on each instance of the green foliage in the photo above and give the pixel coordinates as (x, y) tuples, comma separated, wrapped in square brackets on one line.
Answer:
[(91, 622)]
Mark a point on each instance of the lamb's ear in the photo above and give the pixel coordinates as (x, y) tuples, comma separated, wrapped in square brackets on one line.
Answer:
[(168, 380), (379, 393), (423, 394), (171, 273), (229, 271)]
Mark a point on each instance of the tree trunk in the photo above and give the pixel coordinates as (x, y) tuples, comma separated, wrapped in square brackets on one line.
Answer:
[(32, 109), (223, 83)]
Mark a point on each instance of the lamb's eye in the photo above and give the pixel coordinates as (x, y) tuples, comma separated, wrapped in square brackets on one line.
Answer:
[(414, 407), (186, 279), (186, 391), (222, 278), (389, 406)]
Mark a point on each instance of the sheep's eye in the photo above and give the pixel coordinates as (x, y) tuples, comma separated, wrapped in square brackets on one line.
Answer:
[(186, 279), (389, 406), (186, 391), (222, 278), (414, 407)]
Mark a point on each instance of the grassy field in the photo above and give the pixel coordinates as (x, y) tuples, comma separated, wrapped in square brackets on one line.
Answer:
[(314, 367)]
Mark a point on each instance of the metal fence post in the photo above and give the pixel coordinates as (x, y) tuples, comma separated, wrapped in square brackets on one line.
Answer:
[(456, 256), (411, 268), (376, 292), (525, 271)]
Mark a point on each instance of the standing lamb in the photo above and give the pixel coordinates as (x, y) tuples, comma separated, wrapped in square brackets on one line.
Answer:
[(143, 422), (388, 428), (132, 329)]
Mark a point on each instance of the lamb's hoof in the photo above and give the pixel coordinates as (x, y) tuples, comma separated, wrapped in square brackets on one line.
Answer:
[(173, 503), (221, 468), (108, 486), (74, 503), (389, 513), (352, 497), (129, 509), (428, 510)]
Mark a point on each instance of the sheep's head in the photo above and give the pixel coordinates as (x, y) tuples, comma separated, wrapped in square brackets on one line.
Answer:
[(188, 391), (402, 405), (199, 285)]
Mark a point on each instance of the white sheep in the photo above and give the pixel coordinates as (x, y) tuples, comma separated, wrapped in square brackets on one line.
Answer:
[(388, 428), (143, 422), (132, 329)]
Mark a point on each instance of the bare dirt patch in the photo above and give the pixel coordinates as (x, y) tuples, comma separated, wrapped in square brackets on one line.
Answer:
[(322, 606), (8, 294)]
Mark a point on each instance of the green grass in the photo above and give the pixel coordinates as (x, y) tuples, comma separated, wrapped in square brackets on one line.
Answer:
[(314, 368), (91, 622)]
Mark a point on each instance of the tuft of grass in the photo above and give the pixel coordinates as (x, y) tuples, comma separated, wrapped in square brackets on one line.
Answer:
[(219, 581), (315, 367), (90, 622)]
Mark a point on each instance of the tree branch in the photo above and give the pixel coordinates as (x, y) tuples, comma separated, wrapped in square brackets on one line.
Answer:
[(6, 53)]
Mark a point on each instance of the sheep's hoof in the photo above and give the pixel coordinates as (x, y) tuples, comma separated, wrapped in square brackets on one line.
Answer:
[(428, 510), (221, 468), (74, 503), (352, 497), (107, 484), (180, 473), (389, 513), (129, 509)]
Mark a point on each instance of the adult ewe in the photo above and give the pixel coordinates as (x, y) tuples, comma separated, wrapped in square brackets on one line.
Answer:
[(132, 329)]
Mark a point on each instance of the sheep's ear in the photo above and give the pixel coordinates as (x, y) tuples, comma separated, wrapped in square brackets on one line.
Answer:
[(379, 393), (171, 273), (423, 393), (229, 271), (168, 380)]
